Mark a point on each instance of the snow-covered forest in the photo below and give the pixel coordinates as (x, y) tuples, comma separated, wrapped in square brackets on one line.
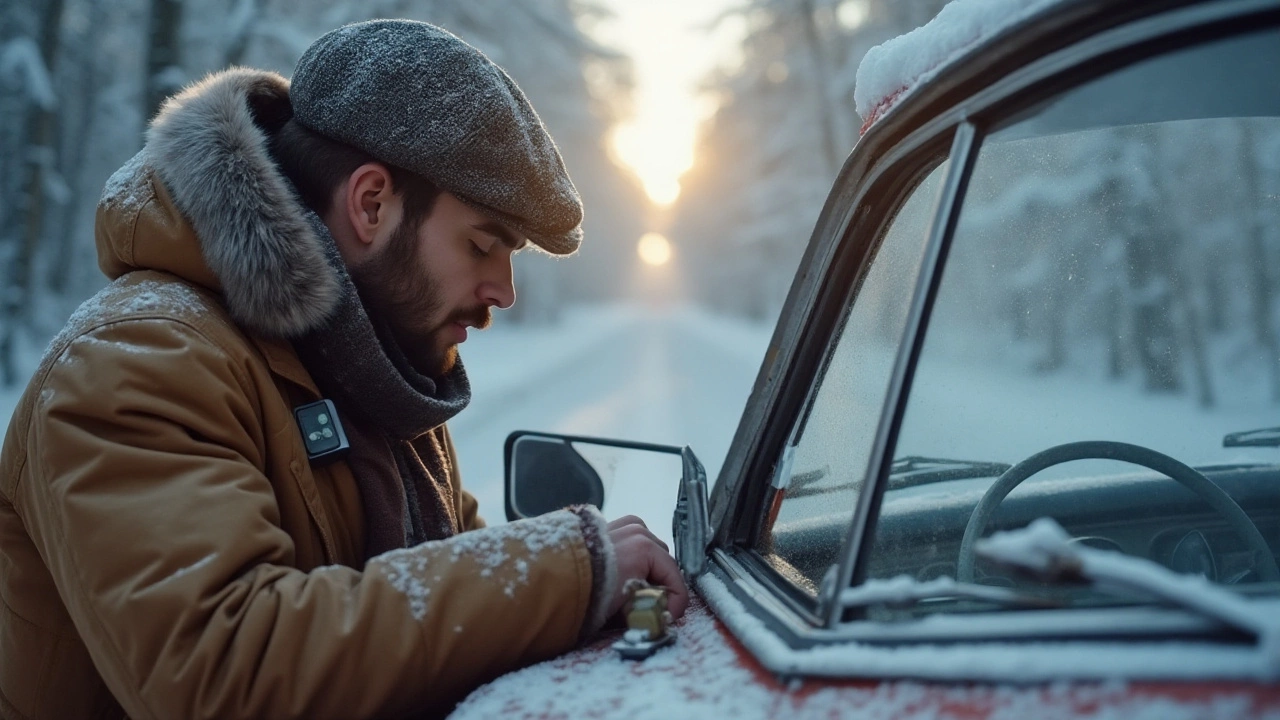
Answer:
[(80, 78), (786, 122), (1147, 254)]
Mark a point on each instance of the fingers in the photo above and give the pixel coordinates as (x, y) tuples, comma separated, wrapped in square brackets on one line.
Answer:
[(632, 525), (666, 573), (640, 555), (625, 520)]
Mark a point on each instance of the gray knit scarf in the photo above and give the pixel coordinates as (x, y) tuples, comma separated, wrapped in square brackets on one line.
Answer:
[(393, 416)]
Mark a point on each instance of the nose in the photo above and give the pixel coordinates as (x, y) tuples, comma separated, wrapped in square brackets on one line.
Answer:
[(499, 289)]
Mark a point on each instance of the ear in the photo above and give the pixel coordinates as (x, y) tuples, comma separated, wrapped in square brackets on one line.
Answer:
[(370, 205)]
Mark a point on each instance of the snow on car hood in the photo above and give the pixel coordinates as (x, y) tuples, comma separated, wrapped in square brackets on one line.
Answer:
[(1019, 662), (892, 70), (706, 674)]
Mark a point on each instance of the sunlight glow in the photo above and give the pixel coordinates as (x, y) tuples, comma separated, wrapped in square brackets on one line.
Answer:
[(852, 13), (654, 249), (658, 146), (673, 45)]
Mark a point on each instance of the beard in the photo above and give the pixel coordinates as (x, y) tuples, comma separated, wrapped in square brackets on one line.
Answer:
[(399, 289)]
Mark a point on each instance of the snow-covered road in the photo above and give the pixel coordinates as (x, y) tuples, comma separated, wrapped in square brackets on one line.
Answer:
[(674, 376)]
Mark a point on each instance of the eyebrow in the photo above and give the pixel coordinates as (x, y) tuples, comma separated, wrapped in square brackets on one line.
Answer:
[(501, 232)]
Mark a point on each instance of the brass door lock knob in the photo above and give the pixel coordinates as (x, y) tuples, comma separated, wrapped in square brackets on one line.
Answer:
[(648, 620)]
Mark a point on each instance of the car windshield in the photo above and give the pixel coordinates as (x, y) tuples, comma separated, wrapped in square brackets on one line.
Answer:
[(1103, 349)]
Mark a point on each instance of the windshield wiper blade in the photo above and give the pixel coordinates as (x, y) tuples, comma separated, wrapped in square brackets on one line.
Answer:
[(1262, 437), (1045, 551), (905, 591), (905, 472), (804, 484), (916, 470)]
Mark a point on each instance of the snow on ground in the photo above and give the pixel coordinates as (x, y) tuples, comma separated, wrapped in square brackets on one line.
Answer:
[(502, 360), (994, 408), (677, 376)]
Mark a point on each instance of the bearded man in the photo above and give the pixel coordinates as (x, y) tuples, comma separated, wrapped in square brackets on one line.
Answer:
[(229, 490)]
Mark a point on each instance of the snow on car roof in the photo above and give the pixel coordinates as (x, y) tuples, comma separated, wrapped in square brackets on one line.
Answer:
[(894, 69)]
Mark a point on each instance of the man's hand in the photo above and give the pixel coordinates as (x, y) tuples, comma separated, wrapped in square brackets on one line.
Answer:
[(641, 555)]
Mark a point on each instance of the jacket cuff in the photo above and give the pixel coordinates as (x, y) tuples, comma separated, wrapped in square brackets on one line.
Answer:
[(604, 567)]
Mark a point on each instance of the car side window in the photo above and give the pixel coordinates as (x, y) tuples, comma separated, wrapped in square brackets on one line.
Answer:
[(1101, 289), (823, 469)]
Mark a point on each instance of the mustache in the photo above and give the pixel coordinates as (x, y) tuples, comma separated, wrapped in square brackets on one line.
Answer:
[(478, 317)]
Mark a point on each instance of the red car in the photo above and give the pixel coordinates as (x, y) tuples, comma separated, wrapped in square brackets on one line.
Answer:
[(1013, 452)]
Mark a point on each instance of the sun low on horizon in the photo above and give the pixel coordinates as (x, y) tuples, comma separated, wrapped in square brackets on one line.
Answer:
[(673, 45), (657, 156), (654, 249)]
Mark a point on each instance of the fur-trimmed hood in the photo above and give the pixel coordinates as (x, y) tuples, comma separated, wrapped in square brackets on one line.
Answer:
[(222, 214)]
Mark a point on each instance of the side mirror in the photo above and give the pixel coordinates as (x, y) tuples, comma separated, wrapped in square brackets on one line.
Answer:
[(545, 473), (664, 485)]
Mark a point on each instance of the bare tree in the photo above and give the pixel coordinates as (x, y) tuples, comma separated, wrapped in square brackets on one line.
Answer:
[(87, 78), (827, 114), (41, 182), (79, 78), (245, 15), (164, 62)]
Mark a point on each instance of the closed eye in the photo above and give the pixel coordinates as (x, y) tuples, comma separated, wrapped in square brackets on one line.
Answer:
[(478, 251)]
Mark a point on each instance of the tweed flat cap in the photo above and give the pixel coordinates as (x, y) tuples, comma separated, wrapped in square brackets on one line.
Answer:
[(414, 95)]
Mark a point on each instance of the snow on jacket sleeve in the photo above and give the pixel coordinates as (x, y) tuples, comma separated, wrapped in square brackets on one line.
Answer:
[(146, 498)]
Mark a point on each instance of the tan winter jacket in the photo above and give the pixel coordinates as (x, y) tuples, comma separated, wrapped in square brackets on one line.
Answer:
[(166, 549)]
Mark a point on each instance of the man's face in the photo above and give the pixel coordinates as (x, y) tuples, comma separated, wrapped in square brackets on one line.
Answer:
[(434, 281)]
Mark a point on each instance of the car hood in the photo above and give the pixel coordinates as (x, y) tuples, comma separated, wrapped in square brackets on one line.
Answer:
[(707, 673)]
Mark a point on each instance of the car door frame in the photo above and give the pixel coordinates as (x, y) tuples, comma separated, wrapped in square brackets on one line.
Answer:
[(1065, 47)]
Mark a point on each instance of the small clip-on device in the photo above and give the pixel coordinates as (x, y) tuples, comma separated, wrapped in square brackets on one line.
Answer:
[(322, 431)]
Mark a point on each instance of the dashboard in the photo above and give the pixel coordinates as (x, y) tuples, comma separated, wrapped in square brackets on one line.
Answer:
[(1144, 514)]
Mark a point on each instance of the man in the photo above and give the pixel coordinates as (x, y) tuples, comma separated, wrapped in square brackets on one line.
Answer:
[(172, 544)]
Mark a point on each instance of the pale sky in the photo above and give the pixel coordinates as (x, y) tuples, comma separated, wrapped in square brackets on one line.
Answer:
[(673, 47)]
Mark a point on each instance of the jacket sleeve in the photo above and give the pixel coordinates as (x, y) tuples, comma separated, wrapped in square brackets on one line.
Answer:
[(148, 502)]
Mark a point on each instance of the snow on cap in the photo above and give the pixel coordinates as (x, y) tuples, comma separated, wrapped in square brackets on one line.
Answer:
[(416, 96), (892, 70)]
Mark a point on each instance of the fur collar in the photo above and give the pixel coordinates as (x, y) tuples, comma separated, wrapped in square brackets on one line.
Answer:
[(208, 145)]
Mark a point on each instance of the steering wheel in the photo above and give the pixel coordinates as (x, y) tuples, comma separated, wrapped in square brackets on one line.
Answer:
[(1109, 450)]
